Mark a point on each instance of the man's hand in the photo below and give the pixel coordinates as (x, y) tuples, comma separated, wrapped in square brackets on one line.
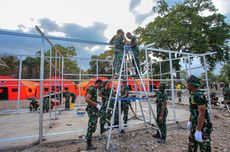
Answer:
[(198, 136), (189, 125), (98, 107)]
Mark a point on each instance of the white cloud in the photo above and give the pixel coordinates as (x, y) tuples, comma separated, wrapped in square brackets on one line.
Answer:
[(222, 5)]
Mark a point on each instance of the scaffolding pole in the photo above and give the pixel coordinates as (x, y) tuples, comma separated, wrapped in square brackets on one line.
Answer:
[(41, 92), (19, 83), (172, 86), (207, 84)]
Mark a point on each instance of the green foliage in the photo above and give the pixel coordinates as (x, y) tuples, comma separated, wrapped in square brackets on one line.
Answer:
[(12, 66), (211, 76), (183, 28), (103, 67), (225, 72), (31, 65)]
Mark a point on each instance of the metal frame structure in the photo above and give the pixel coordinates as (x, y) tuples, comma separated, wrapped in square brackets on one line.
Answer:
[(187, 56), (59, 67)]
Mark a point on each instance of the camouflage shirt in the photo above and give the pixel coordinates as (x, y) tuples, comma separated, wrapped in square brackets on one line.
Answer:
[(93, 92), (197, 98), (160, 98), (124, 89), (105, 92), (119, 42)]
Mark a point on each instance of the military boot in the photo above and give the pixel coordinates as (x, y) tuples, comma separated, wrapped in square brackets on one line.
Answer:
[(102, 130), (125, 123), (161, 141), (90, 146), (157, 135)]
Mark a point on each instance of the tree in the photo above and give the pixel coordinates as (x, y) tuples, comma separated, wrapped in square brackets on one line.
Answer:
[(103, 67), (31, 66), (183, 28), (211, 76), (225, 72), (12, 66)]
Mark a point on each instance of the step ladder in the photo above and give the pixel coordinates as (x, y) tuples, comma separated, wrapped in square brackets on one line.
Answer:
[(126, 67)]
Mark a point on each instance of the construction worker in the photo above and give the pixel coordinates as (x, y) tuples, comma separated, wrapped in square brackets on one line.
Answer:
[(33, 104), (118, 41), (178, 91), (67, 99), (199, 123), (73, 97), (92, 109), (135, 49), (46, 104), (162, 112), (125, 103), (226, 94), (104, 92)]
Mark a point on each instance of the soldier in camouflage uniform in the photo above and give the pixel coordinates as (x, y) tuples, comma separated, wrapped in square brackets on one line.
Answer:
[(104, 92), (118, 41), (135, 49), (67, 99), (199, 123), (33, 104), (92, 109), (226, 94), (73, 95), (162, 112), (46, 106), (125, 103)]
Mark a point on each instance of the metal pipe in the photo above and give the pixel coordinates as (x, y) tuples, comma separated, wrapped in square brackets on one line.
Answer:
[(19, 83), (52, 37), (51, 51), (172, 86), (189, 65), (97, 68), (55, 84), (62, 76), (160, 71), (41, 92), (207, 84)]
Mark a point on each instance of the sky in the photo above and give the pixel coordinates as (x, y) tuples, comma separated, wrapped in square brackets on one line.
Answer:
[(95, 20)]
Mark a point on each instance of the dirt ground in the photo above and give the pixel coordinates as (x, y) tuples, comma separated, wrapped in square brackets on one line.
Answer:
[(139, 140)]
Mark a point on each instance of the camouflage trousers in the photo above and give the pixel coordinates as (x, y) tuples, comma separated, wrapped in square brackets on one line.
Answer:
[(103, 115), (67, 105), (117, 61), (205, 146), (136, 57), (125, 108), (162, 124), (92, 123), (116, 117), (179, 93)]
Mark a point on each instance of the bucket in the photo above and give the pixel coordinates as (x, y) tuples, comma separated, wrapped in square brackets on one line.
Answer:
[(71, 105), (80, 112)]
